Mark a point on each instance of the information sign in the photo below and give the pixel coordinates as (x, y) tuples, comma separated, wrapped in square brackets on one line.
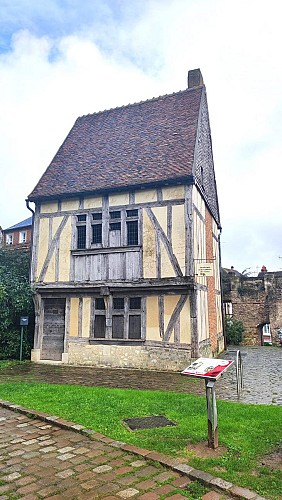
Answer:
[(207, 368), (205, 269)]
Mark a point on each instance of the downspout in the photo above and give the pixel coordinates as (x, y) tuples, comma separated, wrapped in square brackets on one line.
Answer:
[(221, 289), (31, 246)]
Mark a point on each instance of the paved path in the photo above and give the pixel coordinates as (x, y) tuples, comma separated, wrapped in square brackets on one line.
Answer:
[(262, 374), (40, 460), (262, 377)]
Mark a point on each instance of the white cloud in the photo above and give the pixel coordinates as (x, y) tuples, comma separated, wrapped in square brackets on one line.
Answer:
[(49, 78)]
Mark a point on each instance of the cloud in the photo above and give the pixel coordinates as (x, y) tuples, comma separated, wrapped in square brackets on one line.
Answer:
[(61, 59)]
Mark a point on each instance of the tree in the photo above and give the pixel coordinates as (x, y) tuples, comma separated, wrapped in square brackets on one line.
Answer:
[(15, 301), (234, 330)]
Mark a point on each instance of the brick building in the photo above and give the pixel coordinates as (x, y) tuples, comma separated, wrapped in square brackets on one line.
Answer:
[(257, 302), (19, 235)]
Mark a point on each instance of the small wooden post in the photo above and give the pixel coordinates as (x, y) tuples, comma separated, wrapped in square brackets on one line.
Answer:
[(212, 414)]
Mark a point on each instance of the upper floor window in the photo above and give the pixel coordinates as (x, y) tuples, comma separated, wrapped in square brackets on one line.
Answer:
[(117, 228), (9, 239), (22, 237)]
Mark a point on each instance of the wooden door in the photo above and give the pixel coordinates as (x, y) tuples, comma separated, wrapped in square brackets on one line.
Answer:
[(53, 329)]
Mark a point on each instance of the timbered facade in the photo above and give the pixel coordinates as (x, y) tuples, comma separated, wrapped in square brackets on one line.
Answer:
[(126, 215)]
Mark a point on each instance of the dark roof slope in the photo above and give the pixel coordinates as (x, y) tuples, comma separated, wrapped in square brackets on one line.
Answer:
[(20, 225), (143, 143)]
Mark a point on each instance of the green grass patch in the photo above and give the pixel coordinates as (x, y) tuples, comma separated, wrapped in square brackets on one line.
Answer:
[(247, 431), (6, 363)]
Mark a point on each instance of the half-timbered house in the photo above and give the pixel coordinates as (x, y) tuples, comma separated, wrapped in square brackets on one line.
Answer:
[(126, 238)]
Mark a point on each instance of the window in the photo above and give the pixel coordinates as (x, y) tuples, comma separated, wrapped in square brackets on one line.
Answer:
[(132, 232), (22, 237), (81, 236), (9, 239), (97, 228), (81, 230), (97, 234), (124, 315), (117, 228), (227, 308), (100, 319)]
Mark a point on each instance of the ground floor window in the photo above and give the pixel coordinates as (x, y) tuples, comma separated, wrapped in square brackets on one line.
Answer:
[(117, 318)]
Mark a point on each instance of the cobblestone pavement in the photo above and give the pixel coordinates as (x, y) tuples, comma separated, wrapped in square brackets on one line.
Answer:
[(40, 460), (262, 374)]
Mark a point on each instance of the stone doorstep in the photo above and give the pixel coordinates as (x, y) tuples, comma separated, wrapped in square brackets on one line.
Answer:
[(203, 477)]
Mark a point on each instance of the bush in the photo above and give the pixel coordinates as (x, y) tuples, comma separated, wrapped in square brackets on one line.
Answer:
[(234, 330), (15, 301)]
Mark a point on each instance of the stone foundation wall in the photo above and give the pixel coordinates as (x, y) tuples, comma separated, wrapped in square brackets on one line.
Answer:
[(123, 356)]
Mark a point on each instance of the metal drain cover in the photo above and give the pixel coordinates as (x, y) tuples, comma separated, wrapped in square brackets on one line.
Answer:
[(147, 422)]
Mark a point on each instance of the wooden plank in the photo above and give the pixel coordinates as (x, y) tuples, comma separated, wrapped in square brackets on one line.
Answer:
[(169, 223), (105, 225), (35, 241), (80, 313), (161, 315), (188, 215), (132, 266), (177, 331)]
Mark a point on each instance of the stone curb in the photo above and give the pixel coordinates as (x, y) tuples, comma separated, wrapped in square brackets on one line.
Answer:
[(204, 477)]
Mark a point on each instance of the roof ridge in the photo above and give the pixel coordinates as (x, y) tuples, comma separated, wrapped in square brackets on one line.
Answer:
[(152, 99)]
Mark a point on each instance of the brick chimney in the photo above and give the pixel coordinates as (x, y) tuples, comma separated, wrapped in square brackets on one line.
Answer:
[(195, 78)]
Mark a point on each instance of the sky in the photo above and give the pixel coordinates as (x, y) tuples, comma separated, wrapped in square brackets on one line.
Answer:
[(60, 59)]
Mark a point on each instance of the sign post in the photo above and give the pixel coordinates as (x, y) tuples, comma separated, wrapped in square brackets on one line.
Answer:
[(23, 322), (210, 370)]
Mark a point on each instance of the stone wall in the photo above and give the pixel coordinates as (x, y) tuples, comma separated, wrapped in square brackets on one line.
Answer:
[(255, 302), (118, 356)]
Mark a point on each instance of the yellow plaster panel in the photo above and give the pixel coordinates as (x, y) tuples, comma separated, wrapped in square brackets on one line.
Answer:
[(149, 248), (64, 252), (161, 215), (185, 323), (173, 193), (49, 208), (167, 270), (178, 235), (118, 199), (74, 306), (42, 244), (152, 319), (86, 308), (55, 224), (147, 196), (170, 302), (94, 202), (70, 205), (50, 273)]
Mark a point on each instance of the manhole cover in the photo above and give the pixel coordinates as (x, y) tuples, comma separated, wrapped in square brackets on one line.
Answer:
[(147, 422)]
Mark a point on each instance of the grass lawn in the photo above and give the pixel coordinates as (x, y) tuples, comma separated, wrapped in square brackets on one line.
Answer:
[(247, 431)]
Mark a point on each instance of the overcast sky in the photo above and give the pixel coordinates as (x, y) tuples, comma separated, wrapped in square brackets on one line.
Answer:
[(60, 59)]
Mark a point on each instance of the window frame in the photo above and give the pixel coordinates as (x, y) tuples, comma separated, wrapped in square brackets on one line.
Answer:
[(108, 220), (22, 237), (9, 240), (126, 312)]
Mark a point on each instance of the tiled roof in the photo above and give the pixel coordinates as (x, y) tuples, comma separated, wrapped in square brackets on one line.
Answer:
[(143, 143), (20, 225)]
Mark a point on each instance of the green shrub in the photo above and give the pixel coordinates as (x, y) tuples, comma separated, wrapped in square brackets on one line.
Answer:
[(234, 330), (15, 301)]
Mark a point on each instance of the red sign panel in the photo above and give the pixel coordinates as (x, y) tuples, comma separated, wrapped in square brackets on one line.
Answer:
[(207, 368)]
